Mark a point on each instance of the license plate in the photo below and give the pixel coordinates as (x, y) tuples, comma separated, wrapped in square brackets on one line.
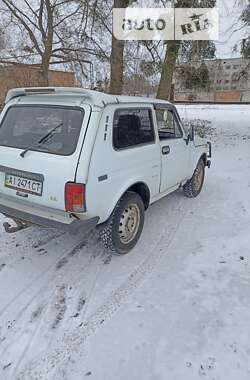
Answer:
[(24, 185)]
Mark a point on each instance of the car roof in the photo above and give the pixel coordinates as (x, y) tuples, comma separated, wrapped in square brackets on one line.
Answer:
[(91, 97)]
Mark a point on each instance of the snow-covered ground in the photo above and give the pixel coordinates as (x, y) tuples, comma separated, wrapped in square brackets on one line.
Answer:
[(176, 308)]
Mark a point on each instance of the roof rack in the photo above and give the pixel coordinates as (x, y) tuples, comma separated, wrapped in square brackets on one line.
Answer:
[(96, 97)]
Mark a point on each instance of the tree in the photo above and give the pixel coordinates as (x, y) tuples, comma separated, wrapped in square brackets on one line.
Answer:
[(173, 49), (117, 55), (193, 77), (2, 39), (245, 45), (49, 29), (168, 68)]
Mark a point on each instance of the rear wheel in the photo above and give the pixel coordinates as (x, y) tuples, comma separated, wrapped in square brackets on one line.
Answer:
[(194, 186), (124, 227)]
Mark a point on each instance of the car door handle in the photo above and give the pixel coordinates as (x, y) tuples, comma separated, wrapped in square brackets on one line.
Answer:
[(165, 150)]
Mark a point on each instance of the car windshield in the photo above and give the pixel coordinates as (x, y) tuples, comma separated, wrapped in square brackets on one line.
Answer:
[(24, 126)]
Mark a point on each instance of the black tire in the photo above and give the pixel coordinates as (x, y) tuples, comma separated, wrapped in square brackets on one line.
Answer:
[(112, 232), (192, 188)]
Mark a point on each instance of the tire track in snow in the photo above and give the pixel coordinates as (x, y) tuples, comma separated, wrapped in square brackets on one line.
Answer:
[(36, 331), (49, 269), (42, 367), (60, 304), (44, 241), (19, 245), (38, 291), (31, 335)]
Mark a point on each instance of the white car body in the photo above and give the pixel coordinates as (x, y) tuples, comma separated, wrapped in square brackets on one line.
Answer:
[(106, 172)]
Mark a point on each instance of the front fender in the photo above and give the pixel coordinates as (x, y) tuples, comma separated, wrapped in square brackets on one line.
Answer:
[(199, 152)]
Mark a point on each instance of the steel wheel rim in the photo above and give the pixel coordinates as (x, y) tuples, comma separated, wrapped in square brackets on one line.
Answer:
[(129, 223), (198, 178)]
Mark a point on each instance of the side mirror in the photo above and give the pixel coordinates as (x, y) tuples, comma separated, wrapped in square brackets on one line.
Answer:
[(190, 136), (191, 133)]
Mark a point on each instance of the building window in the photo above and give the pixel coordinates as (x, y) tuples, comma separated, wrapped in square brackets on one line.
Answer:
[(132, 127)]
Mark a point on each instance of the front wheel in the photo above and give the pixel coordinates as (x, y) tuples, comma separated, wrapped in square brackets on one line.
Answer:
[(124, 227), (194, 186)]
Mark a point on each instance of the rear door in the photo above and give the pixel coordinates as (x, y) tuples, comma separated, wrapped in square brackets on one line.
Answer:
[(175, 153), (37, 172)]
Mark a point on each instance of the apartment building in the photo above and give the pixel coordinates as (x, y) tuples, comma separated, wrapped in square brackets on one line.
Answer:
[(229, 81)]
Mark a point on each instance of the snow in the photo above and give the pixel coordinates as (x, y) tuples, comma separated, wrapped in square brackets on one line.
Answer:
[(176, 308)]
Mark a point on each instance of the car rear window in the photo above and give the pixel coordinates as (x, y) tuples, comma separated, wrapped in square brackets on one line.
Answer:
[(24, 126)]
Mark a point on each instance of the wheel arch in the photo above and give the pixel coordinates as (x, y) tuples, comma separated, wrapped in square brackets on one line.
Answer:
[(197, 158), (143, 190), (139, 187), (203, 157)]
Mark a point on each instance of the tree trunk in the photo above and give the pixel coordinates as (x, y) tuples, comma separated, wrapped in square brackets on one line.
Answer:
[(48, 44), (168, 68), (116, 80), (44, 79), (116, 59)]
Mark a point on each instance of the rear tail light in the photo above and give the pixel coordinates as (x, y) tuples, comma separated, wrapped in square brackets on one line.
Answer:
[(75, 197)]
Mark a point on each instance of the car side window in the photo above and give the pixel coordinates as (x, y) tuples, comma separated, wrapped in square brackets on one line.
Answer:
[(132, 127), (168, 126)]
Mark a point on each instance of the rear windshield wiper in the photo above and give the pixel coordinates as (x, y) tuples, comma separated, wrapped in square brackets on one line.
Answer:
[(42, 140)]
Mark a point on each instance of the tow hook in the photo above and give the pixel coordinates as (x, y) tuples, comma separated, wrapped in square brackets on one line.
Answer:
[(20, 225)]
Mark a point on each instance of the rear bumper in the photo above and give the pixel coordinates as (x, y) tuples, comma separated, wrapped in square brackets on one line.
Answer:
[(74, 227)]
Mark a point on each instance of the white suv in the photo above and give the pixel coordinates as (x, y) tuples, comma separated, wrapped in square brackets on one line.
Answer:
[(73, 159)]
